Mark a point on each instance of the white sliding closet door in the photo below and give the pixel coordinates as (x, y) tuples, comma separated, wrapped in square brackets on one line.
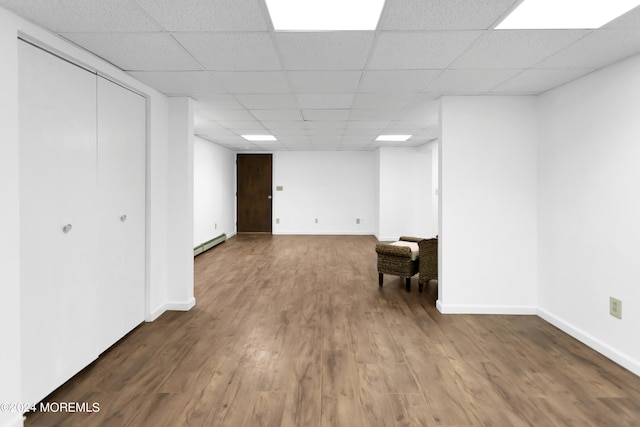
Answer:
[(58, 173), (121, 184)]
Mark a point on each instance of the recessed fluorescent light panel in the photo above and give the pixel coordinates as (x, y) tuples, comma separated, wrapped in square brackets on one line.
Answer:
[(565, 14), (324, 15), (259, 137), (394, 138)]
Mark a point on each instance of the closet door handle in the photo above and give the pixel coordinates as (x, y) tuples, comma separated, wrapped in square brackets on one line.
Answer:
[(123, 218), (67, 228)]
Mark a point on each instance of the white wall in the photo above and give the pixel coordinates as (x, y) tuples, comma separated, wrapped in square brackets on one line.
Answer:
[(589, 178), (435, 182), (214, 185), (404, 201), (10, 381), (158, 264), (335, 187), (180, 203), (488, 202)]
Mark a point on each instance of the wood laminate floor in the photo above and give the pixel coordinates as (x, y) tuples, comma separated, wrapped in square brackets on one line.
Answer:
[(294, 331)]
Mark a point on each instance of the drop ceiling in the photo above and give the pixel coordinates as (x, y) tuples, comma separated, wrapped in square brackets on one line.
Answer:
[(328, 90)]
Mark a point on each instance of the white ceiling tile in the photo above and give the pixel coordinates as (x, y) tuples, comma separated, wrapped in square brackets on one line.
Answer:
[(199, 15), (254, 82), (231, 51), (332, 115), (357, 140), (179, 82), (295, 139), (326, 140), (344, 50), (289, 133), (402, 128), (600, 48), (227, 115), (421, 113), (418, 118), (420, 50), (262, 102), (252, 132), (540, 80), (515, 48), (241, 125), (324, 81), (428, 134), (376, 81), (137, 51), (383, 100), (443, 14), (234, 139), (365, 126), (218, 101), (465, 81), (284, 125), (325, 132), (277, 115), (327, 101), (326, 124), (83, 16), (630, 20), (212, 129), (374, 114)]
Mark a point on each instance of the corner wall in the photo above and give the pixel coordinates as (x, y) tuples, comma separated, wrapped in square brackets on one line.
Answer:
[(180, 204), (214, 187), (589, 179), (404, 201), (488, 196)]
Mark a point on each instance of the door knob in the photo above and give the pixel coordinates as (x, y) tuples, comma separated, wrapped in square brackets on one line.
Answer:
[(123, 218), (67, 228), (269, 197)]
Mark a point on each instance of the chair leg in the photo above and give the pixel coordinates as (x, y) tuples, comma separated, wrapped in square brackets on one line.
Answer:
[(420, 286), (380, 275), (408, 282)]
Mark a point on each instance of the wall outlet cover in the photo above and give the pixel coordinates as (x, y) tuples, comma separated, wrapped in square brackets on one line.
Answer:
[(615, 307)]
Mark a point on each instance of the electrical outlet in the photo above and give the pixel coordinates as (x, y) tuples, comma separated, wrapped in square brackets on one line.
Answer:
[(357, 220), (277, 220), (615, 307), (316, 220)]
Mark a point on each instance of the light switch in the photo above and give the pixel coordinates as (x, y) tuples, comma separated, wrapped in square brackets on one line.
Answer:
[(279, 188)]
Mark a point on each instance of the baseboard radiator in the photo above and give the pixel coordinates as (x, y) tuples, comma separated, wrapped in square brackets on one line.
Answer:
[(208, 245)]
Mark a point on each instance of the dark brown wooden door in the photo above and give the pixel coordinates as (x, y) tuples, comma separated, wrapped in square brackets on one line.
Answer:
[(254, 193)]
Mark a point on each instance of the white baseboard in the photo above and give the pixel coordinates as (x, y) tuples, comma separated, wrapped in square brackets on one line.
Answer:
[(485, 309), (322, 233), (618, 357), (171, 306), (181, 306), (12, 420)]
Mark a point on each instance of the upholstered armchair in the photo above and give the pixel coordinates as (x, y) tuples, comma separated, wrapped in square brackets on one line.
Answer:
[(398, 259), (405, 257)]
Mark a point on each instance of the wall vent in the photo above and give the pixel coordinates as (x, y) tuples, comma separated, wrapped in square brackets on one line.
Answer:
[(208, 245)]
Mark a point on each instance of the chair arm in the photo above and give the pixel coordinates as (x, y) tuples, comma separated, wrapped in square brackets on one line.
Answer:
[(411, 239), (392, 250)]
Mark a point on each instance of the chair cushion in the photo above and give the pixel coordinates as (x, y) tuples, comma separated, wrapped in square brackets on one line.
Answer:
[(415, 250)]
